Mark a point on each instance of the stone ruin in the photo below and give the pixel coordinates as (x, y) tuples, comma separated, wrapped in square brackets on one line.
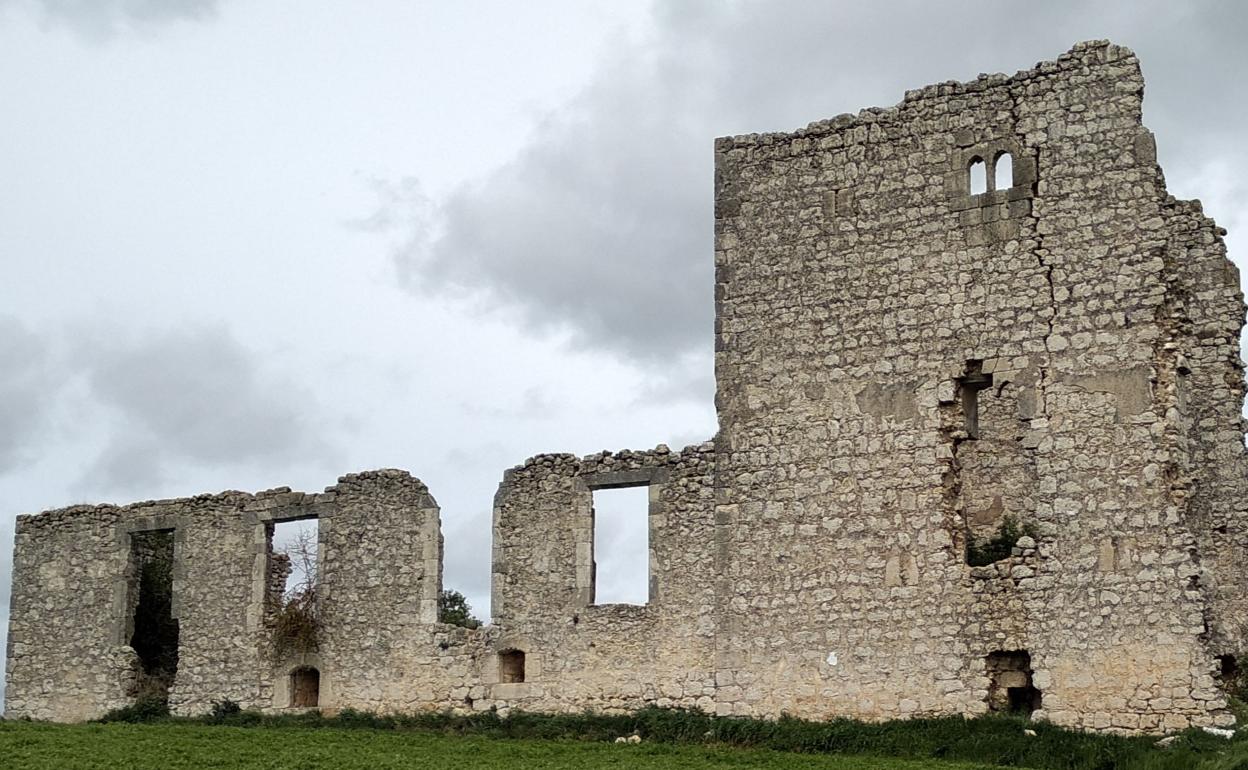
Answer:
[(979, 449)]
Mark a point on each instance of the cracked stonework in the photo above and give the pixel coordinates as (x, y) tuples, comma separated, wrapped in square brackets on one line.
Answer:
[(901, 370)]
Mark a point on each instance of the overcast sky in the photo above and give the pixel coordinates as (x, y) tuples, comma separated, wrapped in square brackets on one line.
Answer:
[(249, 244)]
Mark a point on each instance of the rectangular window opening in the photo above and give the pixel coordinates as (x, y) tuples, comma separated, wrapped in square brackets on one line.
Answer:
[(291, 599), (154, 635), (293, 556), (621, 523)]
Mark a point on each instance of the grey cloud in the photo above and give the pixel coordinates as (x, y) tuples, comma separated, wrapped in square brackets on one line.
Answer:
[(104, 19), (196, 396), (601, 226), (27, 386)]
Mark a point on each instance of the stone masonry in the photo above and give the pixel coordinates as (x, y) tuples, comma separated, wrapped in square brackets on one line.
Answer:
[(908, 365)]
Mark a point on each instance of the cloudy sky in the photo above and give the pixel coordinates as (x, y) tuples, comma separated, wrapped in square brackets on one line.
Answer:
[(252, 243)]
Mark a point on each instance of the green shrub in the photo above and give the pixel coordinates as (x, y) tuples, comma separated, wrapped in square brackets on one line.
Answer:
[(296, 624), (992, 740), (222, 711), (453, 609), (146, 709)]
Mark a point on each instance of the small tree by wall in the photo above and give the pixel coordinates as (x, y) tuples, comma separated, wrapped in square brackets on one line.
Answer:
[(295, 614), (453, 609)]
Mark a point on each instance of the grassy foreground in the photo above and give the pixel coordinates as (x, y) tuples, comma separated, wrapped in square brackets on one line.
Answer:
[(145, 736), (173, 746)]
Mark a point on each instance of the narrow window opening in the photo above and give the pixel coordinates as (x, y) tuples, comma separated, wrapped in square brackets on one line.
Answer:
[(621, 522), (970, 384), (296, 545), (1010, 688), (155, 630), (978, 176), (291, 600), (1003, 176), (511, 666), (305, 687)]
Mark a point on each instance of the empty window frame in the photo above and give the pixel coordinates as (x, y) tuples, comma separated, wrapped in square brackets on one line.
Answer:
[(154, 630), (1003, 172), (621, 546), (294, 553), (978, 171)]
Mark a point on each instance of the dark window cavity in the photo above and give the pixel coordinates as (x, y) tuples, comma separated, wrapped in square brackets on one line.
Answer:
[(154, 635)]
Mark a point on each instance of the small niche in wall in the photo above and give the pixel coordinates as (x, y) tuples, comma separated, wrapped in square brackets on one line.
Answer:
[(621, 545), (1010, 689), (305, 687), (511, 666), (970, 384)]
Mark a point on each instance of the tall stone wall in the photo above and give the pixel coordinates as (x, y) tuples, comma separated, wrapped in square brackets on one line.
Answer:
[(74, 586), (380, 646), (909, 369), (862, 290)]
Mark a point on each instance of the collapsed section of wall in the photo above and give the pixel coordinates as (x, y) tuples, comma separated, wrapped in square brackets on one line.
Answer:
[(84, 639), (980, 450), (77, 578)]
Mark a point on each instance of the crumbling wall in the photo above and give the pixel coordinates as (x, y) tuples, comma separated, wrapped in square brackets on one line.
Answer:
[(853, 258), (1209, 474), (74, 583), (904, 365), (381, 572), (579, 654)]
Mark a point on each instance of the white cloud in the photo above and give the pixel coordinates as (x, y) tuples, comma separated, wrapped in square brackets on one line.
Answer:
[(104, 19)]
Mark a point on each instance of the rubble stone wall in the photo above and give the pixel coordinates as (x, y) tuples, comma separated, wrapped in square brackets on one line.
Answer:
[(860, 286), (580, 654), (908, 369)]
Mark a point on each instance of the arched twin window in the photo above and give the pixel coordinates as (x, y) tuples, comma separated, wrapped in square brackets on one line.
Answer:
[(1003, 175), (1001, 171)]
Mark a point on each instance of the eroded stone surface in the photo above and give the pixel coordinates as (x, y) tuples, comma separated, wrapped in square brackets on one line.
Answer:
[(902, 366)]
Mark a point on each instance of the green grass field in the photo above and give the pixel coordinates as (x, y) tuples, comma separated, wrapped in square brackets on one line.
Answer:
[(175, 746), (145, 736)]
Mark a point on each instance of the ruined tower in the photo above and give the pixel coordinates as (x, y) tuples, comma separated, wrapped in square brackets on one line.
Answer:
[(980, 448)]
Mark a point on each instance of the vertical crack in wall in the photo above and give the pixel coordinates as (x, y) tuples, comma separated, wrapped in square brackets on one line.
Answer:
[(1046, 267)]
